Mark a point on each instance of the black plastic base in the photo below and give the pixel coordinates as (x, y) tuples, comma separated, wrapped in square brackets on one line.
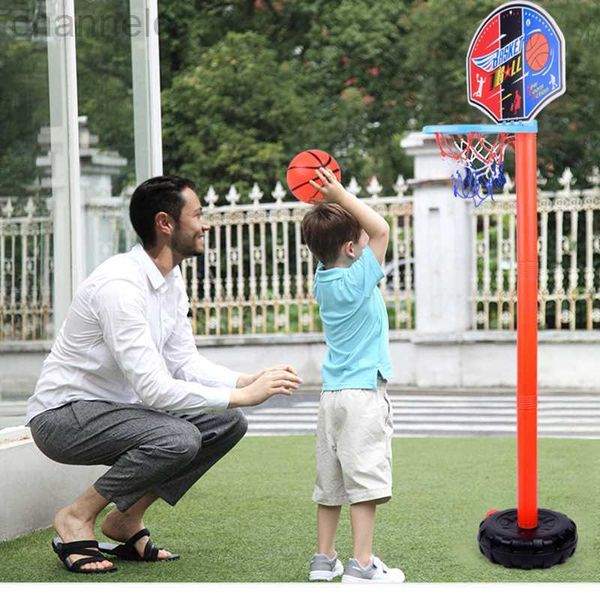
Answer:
[(552, 542)]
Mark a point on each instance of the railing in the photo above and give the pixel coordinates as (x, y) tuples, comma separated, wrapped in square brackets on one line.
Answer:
[(569, 258), (26, 272), (256, 275)]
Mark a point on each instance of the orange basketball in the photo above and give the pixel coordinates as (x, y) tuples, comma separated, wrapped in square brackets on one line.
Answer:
[(537, 51), (301, 170)]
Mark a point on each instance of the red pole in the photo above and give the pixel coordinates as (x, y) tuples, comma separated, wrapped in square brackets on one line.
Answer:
[(527, 325)]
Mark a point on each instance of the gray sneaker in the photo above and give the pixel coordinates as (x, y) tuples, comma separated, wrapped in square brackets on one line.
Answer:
[(375, 572), (323, 568)]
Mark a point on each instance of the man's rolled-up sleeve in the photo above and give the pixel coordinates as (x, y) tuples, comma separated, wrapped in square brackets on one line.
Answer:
[(121, 311)]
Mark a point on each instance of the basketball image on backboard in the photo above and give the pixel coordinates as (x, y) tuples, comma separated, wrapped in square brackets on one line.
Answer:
[(516, 63)]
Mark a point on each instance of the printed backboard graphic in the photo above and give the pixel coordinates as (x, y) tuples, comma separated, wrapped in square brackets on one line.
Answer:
[(516, 63)]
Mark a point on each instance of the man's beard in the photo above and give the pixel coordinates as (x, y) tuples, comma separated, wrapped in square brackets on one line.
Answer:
[(183, 247)]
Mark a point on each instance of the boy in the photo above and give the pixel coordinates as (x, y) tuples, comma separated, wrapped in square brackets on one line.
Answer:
[(355, 427)]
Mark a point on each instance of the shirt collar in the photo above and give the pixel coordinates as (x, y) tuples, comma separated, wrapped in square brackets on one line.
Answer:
[(154, 275), (329, 274)]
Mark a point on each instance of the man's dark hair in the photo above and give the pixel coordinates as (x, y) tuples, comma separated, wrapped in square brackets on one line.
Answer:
[(326, 228), (158, 194)]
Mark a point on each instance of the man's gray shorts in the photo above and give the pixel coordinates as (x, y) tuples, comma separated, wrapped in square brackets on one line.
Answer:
[(148, 450)]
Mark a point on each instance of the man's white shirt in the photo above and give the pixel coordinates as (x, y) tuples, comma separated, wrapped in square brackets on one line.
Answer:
[(127, 338)]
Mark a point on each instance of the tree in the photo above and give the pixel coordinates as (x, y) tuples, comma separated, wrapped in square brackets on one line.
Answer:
[(104, 84), (104, 76), (329, 55), (381, 69), (356, 48), (569, 127), (23, 101), (238, 116), (439, 35)]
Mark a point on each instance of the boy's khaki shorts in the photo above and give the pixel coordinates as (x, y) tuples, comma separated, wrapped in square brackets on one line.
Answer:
[(354, 447)]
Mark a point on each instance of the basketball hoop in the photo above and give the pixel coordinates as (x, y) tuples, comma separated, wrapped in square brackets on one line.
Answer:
[(515, 67), (478, 151), (480, 163)]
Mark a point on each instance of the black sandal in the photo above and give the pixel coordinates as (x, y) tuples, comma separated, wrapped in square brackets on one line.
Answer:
[(89, 548), (127, 550)]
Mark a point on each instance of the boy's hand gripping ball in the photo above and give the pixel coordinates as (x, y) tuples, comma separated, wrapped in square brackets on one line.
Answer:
[(302, 169)]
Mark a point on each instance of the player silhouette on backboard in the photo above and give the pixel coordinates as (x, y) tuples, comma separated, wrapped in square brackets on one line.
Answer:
[(516, 105), (480, 82)]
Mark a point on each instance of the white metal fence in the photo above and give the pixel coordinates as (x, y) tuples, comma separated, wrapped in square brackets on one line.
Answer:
[(26, 271), (569, 258), (256, 274)]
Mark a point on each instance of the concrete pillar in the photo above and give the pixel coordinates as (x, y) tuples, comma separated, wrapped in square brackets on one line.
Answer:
[(145, 64), (104, 216), (103, 212), (443, 244), (64, 158)]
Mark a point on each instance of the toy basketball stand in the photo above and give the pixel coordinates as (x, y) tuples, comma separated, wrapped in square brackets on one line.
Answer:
[(515, 67)]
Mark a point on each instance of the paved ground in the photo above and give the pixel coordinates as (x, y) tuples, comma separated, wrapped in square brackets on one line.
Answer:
[(12, 411), (417, 414), (445, 413)]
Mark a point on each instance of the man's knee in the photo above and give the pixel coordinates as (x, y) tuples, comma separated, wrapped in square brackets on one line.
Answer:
[(239, 423), (182, 442)]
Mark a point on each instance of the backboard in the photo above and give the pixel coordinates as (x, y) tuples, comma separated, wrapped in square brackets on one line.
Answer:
[(516, 63)]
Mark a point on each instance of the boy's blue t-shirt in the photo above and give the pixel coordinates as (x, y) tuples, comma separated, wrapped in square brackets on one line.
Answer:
[(355, 322)]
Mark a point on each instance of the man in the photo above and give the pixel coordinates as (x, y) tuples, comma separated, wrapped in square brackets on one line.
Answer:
[(125, 386)]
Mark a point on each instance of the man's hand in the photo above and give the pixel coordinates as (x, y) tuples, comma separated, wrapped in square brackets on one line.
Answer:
[(244, 379), (269, 382)]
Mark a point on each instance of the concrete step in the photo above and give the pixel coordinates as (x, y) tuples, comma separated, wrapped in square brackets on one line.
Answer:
[(418, 414), (450, 415)]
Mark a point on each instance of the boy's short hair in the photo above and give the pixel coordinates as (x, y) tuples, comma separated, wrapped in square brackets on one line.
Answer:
[(326, 228)]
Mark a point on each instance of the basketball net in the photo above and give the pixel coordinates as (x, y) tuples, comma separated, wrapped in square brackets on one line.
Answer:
[(480, 160)]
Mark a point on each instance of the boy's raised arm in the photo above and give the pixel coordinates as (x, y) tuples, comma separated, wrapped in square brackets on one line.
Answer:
[(374, 224)]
